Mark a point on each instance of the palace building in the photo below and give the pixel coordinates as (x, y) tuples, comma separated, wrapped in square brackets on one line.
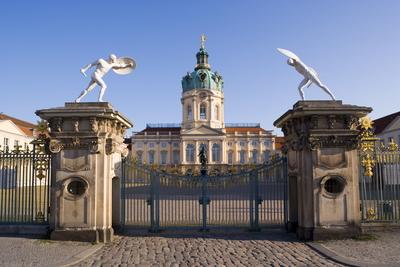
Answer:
[(15, 134), (203, 125)]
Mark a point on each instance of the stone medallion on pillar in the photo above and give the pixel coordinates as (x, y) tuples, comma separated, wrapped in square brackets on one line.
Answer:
[(86, 142), (321, 139)]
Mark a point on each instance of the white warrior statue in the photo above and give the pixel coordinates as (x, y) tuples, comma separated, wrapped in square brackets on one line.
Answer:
[(310, 75), (122, 66)]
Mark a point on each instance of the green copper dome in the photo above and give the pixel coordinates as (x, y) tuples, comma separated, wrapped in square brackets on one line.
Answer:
[(202, 77)]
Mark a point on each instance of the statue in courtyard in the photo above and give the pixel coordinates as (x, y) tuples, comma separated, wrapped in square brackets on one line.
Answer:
[(122, 66), (203, 156), (310, 75)]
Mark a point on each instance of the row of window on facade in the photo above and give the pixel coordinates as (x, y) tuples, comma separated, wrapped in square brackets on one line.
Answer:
[(216, 154), (17, 145), (202, 112), (163, 157), (190, 156), (254, 143)]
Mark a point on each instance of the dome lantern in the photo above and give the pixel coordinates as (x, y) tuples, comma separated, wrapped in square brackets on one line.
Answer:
[(202, 77)]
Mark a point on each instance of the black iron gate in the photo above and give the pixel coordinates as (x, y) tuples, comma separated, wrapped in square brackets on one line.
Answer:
[(25, 184), (157, 200)]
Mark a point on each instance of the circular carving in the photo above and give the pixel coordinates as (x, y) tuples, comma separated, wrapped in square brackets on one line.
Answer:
[(76, 187), (55, 146)]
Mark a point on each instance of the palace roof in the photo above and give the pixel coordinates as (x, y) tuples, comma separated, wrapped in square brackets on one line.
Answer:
[(24, 126), (381, 123), (174, 128), (202, 77)]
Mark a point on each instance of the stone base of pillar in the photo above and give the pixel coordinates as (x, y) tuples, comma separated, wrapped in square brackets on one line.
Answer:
[(336, 232), (326, 233), (291, 227), (93, 236), (305, 233)]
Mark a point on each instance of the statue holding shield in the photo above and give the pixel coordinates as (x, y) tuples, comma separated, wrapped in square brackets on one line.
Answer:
[(122, 66), (309, 74)]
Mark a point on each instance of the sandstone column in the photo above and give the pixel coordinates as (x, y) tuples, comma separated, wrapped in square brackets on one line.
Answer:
[(86, 142), (321, 139)]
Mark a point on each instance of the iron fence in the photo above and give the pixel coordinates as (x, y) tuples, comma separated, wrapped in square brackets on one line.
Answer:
[(155, 199), (24, 185), (380, 192), (380, 177)]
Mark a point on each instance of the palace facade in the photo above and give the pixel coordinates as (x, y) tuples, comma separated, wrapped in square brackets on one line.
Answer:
[(203, 125)]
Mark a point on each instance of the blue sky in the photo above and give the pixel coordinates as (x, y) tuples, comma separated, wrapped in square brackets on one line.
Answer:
[(352, 44)]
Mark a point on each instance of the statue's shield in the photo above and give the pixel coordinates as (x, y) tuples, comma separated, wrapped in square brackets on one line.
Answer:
[(125, 61), (288, 53)]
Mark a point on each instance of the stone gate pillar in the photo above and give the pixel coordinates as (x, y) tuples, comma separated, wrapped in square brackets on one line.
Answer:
[(321, 139), (86, 142)]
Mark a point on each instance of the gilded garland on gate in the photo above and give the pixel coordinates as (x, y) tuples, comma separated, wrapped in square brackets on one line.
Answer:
[(367, 146), (370, 152)]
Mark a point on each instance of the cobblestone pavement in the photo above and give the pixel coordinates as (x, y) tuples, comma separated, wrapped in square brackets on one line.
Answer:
[(272, 248), (27, 251), (377, 247)]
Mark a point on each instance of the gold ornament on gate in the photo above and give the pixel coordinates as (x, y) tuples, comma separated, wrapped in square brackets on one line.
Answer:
[(392, 146), (371, 214), (367, 145)]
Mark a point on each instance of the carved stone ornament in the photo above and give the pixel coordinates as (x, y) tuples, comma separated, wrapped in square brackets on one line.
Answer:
[(56, 125), (101, 123), (75, 125), (304, 142), (110, 146), (314, 122), (55, 146), (94, 147), (331, 121), (349, 142), (94, 125), (75, 142), (123, 129), (123, 149), (351, 122)]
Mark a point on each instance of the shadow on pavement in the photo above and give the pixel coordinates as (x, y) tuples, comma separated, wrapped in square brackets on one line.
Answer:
[(272, 234)]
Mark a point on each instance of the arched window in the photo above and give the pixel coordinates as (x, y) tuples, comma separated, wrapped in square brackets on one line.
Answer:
[(189, 112), (216, 115), (242, 157), (254, 155), (139, 156), (163, 155), (216, 153), (175, 156), (203, 145), (266, 155), (230, 157), (203, 111), (190, 153), (151, 157)]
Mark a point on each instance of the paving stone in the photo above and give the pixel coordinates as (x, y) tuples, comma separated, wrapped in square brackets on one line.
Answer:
[(274, 248)]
